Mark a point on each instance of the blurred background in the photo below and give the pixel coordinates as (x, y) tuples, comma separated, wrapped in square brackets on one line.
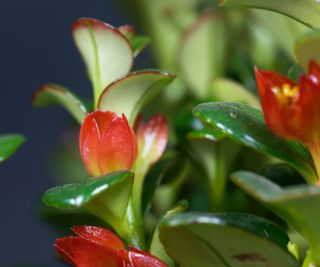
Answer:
[(36, 47)]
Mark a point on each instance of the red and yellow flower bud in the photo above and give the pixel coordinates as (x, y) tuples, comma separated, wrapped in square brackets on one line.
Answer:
[(97, 247), (107, 143), (292, 110)]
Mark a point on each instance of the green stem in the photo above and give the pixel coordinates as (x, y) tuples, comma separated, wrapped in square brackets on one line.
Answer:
[(217, 179), (132, 230), (139, 176)]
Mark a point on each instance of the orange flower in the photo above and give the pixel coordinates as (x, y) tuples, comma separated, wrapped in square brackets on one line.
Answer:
[(107, 143), (292, 110), (97, 247)]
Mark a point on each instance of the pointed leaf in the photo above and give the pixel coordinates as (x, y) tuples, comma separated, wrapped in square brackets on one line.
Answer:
[(139, 43), (307, 49), (201, 57), (105, 51), (50, 94), (296, 205), (156, 248), (106, 197), (225, 240), (304, 11), (245, 125), (131, 93), (9, 143)]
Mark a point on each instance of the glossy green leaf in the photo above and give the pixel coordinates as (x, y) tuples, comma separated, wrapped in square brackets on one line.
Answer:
[(106, 52), (304, 11), (131, 93), (227, 90), (207, 134), (225, 240), (190, 127), (106, 197), (202, 53), (307, 49), (9, 143), (245, 124), (156, 248), (296, 205), (50, 94)]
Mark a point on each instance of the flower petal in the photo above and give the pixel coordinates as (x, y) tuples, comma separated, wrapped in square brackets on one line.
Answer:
[(89, 145), (139, 258), (83, 253), (274, 113), (99, 235), (118, 147), (152, 138)]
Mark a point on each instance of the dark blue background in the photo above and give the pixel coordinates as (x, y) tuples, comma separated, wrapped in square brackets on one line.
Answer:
[(36, 47)]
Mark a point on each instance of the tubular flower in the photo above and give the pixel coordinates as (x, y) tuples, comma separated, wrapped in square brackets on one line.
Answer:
[(152, 137), (98, 247), (292, 110), (107, 143)]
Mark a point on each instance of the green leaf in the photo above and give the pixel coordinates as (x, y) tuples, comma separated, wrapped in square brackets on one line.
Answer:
[(106, 197), (139, 43), (106, 52), (280, 30), (50, 94), (202, 52), (304, 11), (296, 205), (245, 125), (225, 240), (9, 143), (156, 248), (131, 93), (227, 90), (207, 134), (307, 49)]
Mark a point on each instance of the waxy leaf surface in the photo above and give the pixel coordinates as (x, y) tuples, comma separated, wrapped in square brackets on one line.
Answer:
[(305, 11), (9, 143), (156, 248), (131, 93), (225, 240), (296, 205), (51, 94), (106, 52), (245, 124), (106, 197)]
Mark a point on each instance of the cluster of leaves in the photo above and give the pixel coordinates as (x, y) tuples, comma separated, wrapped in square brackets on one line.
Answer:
[(209, 142)]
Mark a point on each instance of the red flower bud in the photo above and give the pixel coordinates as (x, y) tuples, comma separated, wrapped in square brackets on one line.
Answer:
[(97, 247), (152, 138), (107, 143)]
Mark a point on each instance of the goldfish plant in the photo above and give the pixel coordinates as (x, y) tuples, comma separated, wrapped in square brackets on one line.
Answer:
[(159, 147)]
